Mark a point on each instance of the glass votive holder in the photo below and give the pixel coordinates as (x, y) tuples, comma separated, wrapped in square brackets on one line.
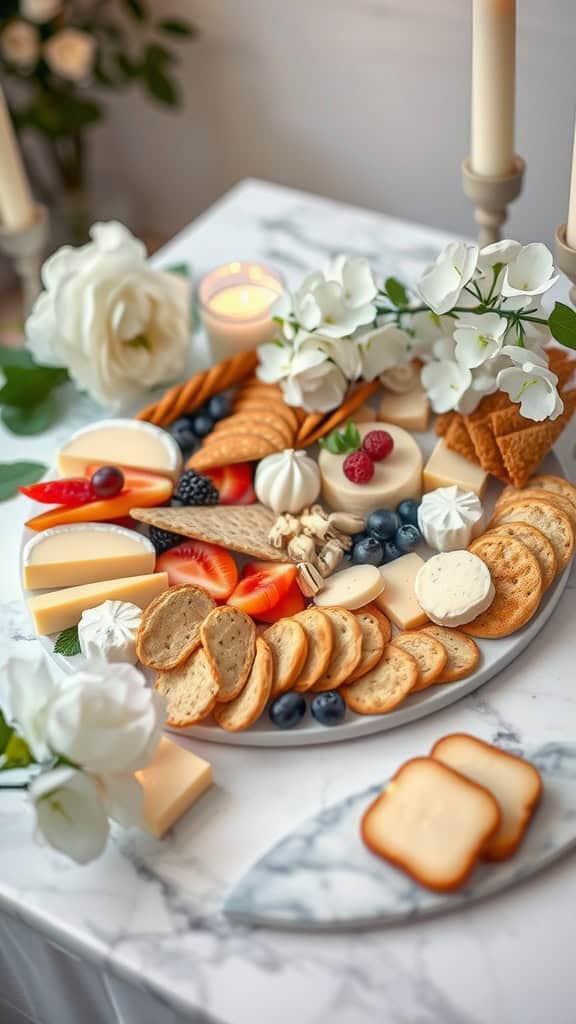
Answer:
[(235, 303)]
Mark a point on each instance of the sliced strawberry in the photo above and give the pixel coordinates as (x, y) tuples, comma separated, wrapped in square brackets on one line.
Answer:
[(142, 490), (206, 565), (233, 483), (292, 603), (263, 585)]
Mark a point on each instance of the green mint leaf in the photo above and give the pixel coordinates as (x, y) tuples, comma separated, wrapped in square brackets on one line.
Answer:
[(16, 753), (5, 733), (396, 291), (67, 642), (562, 324), (28, 420), (352, 435), (341, 441), (28, 385), (18, 474), (177, 27)]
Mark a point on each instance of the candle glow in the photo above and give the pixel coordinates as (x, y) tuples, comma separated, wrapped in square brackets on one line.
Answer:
[(235, 302)]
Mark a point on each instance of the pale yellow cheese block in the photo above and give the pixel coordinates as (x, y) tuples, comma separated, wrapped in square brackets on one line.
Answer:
[(411, 411), (121, 442), (445, 467), (172, 782), (69, 556), (60, 609), (397, 599)]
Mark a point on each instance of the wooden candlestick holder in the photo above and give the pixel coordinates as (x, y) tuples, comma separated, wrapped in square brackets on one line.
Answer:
[(566, 257), (25, 247), (491, 196)]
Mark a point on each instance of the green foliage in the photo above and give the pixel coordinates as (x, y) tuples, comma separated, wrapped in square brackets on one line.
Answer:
[(5, 733), (27, 400), (177, 27), (562, 324), (396, 292), (18, 474), (137, 9), (28, 420), (341, 441), (67, 642), (16, 753)]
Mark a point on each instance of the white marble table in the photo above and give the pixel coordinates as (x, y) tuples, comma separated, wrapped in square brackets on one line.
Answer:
[(138, 935)]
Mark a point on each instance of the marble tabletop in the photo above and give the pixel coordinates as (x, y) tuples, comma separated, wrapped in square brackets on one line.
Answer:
[(148, 911)]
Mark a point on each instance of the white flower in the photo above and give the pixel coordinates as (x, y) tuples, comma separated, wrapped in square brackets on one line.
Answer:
[(118, 325), (70, 53), (532, 384), (40, 11), (275, 361), (345, 352), (123, 799), (355, 277), (531, 272), (283, 309), (106, 720), (441, 284), (426, 328), (383, 349), (478, 337), (20, 45), (321, 305), (70, 813), (484, 382), (315, 382), (445, 382), (29, 686), (498, 253)]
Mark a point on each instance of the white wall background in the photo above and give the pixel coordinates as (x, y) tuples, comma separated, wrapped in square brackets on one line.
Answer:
[(363, 100)]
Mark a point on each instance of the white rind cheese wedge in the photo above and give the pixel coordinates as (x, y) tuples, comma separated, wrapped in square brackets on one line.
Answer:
[(69, 556), (59, 609), (172, 782), (121, 442), (352, 588), (449, 518), (454, 587)]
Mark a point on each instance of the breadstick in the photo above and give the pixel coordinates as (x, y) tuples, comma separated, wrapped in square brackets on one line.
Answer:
[(187, 397)]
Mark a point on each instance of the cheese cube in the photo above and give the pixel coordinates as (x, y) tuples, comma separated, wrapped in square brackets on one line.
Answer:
[(398, 599), (60, 609), (172, 782), (410, 410), (445, 467)]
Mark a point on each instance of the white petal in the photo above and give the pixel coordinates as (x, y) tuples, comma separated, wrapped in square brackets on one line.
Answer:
[(70, 813), (123, 799), (531, 272)]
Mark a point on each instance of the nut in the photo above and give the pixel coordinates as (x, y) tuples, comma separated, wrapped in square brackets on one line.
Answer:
[(330, 557), (346, 522), (302, 549), (309, 579), (315, 526), (285, 527)]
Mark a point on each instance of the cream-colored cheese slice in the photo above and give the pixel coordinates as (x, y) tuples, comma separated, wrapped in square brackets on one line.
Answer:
[(445, 467), (395, 478), (398, 599), (68, 556), (454, 587), (59, 609), (172, 782), (121, 442), (351, 588)]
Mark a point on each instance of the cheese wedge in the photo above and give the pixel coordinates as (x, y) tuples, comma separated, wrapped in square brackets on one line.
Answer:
[(68, 556), (398, 599), (121, 442), (445, 467), (172, 782), (60, 609), (410, 410)]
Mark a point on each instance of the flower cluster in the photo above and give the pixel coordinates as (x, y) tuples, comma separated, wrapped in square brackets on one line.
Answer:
[(477, 329), (68, 53), (88, 733)]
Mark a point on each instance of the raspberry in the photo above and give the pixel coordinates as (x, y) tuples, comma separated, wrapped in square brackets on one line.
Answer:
[(358, 467), (378, 444)]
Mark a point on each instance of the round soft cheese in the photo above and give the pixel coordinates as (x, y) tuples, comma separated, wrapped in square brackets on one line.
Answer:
[(454, 587), (395, 478), (351, 588)]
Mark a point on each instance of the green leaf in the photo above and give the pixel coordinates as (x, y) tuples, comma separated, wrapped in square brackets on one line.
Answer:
[(562, 324), (341, 441), (18, 474), (156, 55), (183, 270), (28, 385), (396, 291), (161, 86), (137, 9), (19, 357), (177, 27), (58, 114), (5, 733), (30, 419), (67, 643), (17, 753)]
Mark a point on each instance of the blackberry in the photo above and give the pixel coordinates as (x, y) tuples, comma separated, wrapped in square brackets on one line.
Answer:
[(195, 489), (163, 540)]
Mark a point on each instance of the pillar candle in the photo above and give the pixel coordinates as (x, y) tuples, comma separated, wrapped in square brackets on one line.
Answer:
[(493, 86), (571, 223), (16, 204)]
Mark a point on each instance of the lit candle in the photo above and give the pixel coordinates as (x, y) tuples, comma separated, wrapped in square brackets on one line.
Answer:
[(16, 204), (235, 303), (493, 87), (571, 223)]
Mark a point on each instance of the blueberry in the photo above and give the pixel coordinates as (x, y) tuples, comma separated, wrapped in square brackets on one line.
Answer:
[(328, 708), (406, 537), (219, 406), (356, 537), (391, 552), (368, 551), (382, 524), (183, 433), (408, 511), (288, 710), (203, 424)]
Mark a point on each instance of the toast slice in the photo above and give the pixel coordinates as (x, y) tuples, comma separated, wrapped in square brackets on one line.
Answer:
[(431, 823), (229, 639), (288, 644), (170, 627), (516, 785), (190, 689), (244, 710)]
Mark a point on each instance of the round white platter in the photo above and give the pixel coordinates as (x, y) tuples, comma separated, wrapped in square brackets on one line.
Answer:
[(495, 656)]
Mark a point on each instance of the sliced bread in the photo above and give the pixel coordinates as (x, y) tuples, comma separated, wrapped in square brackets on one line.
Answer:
[(372, 644), (346, 650), (318, 629), (288, 644), (229, 639), (244, 710), (190, 689), (170, 626)]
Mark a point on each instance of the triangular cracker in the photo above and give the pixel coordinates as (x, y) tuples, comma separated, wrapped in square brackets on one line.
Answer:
[(523, 451), (242, 528)]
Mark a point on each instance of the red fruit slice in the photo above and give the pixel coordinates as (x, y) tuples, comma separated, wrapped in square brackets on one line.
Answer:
[(206, 565), (263, 585), (71, 492), (292, 603), (142, 490), (233, 483)]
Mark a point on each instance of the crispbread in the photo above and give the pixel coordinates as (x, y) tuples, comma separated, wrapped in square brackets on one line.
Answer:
[(551, 521), (383, 620), (243, 448), (462, 651), (537, 543), (523, 450), (553, 485), (170, 626), (318, 630), (190, 689), (247, 428), (384, 686), (256, 406), (372, 643), (428, 652), (246, 709), (246, 422), (228, 637), (243, 528), (432, 823), (457, 438), (288, 644), (517, 582), (515, 784), (346, 649), (527, 494)]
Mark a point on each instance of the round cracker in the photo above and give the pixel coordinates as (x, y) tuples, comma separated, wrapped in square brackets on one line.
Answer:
[(229, 639), (551, 521), (239, 714), (537, 543), (549, 484), (429, 653), (255, 405), (517, 583), (372, 644), (247, 429), (558, 500), (191, 690), (251, 423), (170, 626), (463, 652), (288, 643), (385, 686), (383, 620), (346, 649), (318, 629)]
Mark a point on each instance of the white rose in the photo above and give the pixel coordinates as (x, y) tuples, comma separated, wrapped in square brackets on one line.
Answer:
[(40, 11), (20, 45), (118, 325), (70, 54), (28, 688), (314, 382), (70, 814), (106, 719)]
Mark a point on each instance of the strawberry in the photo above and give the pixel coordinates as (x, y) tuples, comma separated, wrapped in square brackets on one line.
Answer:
[(233, 483), (292, 603), (262, 586), (207, 565)]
